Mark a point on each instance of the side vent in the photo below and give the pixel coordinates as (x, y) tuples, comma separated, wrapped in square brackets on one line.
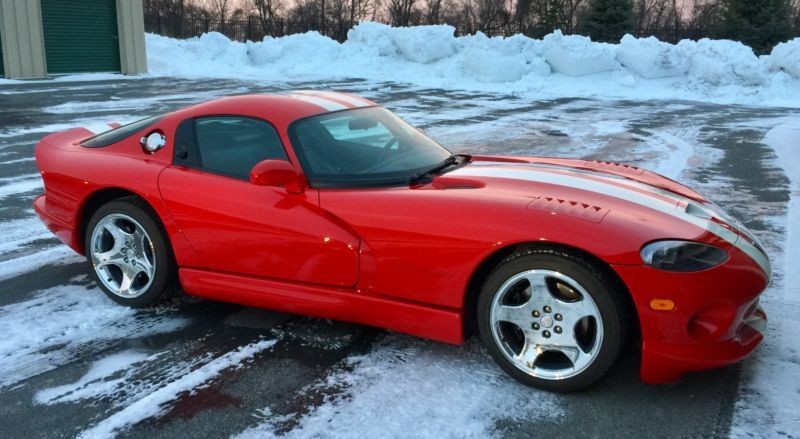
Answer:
[(575, 209)]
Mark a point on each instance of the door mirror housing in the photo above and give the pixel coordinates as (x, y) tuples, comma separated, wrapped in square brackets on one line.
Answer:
[(277, 173)]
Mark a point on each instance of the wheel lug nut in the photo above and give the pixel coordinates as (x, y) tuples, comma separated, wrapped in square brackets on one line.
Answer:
[(536, 313), (557, 329), (547, 309), (535, 326), (559, 317), (546, 334)]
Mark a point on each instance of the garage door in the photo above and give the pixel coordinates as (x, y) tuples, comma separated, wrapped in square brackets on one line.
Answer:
[(80, 36)]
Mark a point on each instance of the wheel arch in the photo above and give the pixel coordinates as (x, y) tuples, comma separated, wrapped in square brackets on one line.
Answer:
[(100, 197), (491, 261)]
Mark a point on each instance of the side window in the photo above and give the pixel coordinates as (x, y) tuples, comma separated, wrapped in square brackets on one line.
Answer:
[(364, 130), (232, 145)]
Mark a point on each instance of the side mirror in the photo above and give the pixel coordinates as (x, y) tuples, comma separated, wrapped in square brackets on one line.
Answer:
[(277, 173)]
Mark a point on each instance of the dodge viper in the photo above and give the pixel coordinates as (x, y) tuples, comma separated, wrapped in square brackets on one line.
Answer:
[(327, 204)]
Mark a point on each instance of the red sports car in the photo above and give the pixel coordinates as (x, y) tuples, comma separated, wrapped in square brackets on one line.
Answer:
[(327, 204)]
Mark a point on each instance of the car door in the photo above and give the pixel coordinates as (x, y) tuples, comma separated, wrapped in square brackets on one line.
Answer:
[(242, 228)]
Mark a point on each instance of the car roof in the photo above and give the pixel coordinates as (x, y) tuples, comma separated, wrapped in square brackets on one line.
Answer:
[(278, 109)]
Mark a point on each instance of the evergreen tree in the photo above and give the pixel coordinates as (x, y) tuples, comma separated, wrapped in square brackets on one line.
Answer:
[(608, 20), (761, 24)]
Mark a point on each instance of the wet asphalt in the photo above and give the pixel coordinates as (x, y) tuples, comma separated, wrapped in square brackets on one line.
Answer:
[(733, 167)]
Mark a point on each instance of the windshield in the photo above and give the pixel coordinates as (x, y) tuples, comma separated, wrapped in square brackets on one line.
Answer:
[(362, 147)]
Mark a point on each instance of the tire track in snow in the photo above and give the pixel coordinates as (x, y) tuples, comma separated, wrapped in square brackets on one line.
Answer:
[(768, 394), (156, 402), (18, 266), (66, 322), (353, 400)]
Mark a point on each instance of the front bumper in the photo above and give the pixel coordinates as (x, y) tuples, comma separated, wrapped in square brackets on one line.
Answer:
[(716, 320)]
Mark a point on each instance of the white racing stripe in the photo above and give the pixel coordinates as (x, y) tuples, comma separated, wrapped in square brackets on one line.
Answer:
[(355, 102), (98, 128), (320, 102), (611, 190)]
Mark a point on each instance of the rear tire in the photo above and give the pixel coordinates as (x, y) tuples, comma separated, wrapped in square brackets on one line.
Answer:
[(551, 319), (129, 255)]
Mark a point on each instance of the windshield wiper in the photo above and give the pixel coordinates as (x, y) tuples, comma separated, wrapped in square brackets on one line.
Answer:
[(455, 159)]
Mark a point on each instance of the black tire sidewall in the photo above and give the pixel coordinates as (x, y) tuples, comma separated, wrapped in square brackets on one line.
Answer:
[(602, 293), (164, 266)]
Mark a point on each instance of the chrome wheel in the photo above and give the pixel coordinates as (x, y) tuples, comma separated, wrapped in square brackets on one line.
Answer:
[(122, 255), (546, 324)]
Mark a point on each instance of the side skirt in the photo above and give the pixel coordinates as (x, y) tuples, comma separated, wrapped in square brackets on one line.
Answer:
[(331, 303)]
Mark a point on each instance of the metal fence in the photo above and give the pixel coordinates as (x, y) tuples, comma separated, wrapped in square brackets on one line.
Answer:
[(254, 29)]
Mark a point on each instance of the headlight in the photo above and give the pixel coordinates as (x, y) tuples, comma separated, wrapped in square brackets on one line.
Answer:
[(682, 256)]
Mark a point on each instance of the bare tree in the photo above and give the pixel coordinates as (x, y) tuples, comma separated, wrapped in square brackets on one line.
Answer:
[(400, 12), (491, 15), (267, 12), (433, 11), (657, 17), (706, 19), (220, 9)]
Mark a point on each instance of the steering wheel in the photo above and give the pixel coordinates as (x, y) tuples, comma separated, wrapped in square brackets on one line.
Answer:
[(392, 160)]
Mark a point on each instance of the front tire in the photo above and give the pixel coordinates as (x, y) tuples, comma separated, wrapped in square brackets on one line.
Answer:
[(551, 319), (128, 253)]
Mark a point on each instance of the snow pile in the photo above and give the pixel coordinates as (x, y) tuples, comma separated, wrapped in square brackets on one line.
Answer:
[(651, 58), (556, 66), (575, 55), (786, 57), (723, 62)]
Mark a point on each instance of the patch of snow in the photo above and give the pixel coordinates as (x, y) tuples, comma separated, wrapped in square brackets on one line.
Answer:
[(34, 261), (21, 185), (84, 107), (608, 127), (156, 402), (770, 393), (60, 323), (16, 234), (64, 126), (457, 391), (101, 378), (22, 160), (677, 152)]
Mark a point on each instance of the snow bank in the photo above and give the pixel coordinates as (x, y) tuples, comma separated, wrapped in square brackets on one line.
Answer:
[(556, 66), (786, 57), (651, 58)]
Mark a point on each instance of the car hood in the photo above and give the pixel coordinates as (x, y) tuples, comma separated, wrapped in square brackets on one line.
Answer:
[(590, 189), (597, 186)]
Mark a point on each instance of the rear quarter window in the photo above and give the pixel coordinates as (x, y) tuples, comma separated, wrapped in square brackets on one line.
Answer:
[(115, 135)]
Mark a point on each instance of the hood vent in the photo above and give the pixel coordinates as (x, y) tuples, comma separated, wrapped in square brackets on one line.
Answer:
[(602, 165), (575, 209)]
